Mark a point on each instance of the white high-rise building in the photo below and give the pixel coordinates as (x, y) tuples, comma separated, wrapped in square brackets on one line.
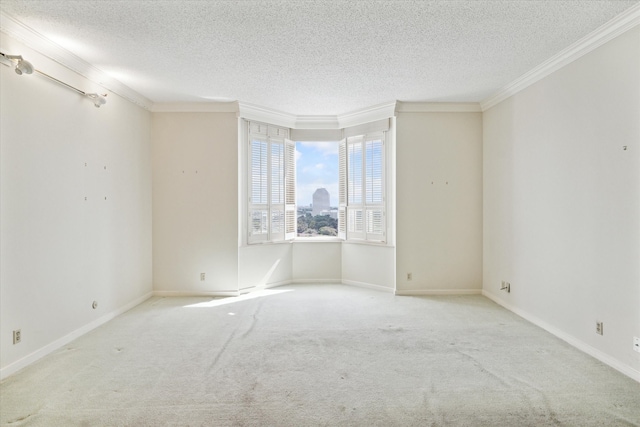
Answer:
[(320, 202)]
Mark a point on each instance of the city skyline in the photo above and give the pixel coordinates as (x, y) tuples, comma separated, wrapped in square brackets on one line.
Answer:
[(316, 167)]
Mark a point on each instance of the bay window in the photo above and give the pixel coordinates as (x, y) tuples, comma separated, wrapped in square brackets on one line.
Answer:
[(271, 183)]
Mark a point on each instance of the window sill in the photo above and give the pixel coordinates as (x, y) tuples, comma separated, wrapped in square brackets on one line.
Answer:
[(326, 239), (315, 240), (366, 242)]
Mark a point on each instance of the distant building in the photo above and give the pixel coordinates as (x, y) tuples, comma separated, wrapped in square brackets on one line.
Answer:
[(320, 201)]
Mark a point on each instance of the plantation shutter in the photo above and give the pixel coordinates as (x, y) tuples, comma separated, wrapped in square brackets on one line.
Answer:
[(276, 161), (374, 187), (364, 186), (259, 190), (291, 227), (268, 183), (342, 189), (355, 201)]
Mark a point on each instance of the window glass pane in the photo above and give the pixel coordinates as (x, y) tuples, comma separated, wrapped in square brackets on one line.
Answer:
[(317, 188)]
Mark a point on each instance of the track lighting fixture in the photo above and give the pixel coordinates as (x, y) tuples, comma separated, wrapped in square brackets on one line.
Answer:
[(22, 66), (98, 100), (25, 67)]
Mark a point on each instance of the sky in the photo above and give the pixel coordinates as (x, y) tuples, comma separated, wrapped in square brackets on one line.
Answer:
[(316, 167)]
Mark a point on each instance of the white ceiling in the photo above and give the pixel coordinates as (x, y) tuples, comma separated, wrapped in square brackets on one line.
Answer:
[(314, 57)]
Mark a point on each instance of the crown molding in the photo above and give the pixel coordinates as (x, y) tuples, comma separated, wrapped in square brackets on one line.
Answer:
[(612, 29), (36, 41), (317, 122), (266, 115), (438, 107), (341, 121), (195, 107), (367, 115)]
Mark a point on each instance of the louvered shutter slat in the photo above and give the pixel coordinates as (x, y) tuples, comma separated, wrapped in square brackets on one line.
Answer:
[(290, 189), (342, 189)]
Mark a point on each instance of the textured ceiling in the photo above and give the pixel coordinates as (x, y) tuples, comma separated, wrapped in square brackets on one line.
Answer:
[(314, 57)]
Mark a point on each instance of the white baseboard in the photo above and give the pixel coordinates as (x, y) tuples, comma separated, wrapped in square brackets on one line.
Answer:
[(275, 284), (53, 346), (580, 345), (367, 285), (426, 292), (318, 281), (196, 293)]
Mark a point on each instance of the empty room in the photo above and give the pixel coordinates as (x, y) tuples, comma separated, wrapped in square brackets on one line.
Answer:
[(318, 213)]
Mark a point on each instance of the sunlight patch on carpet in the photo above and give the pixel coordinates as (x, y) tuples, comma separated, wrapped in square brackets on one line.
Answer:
[(232, 300)]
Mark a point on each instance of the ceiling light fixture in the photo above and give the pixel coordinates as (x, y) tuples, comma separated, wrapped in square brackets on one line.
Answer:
[(22, 65)]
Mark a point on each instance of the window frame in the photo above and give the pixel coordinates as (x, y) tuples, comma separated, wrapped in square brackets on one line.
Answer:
[(374, 131)]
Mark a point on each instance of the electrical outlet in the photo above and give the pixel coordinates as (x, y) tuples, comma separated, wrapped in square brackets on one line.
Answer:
[(599, 328), (17, 336), (505, 286), (202, 275), (409, 276), (636, 344)]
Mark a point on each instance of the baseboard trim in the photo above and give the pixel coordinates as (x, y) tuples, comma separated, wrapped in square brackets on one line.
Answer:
[(196, 293), (53, 346), (367, 285), (432, 292), (318, 281), (275, 284), (570, 339)]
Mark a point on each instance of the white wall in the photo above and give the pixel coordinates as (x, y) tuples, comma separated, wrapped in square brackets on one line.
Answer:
[(370, 266), (195, 202), (264, 265), (562, 201), (317, 261), (60, 252), (439, 202)]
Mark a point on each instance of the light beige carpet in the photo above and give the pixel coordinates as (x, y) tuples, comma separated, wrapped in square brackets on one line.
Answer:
[(319, 355)]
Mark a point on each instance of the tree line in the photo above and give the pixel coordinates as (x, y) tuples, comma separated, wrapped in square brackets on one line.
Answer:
[(309, 225)]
